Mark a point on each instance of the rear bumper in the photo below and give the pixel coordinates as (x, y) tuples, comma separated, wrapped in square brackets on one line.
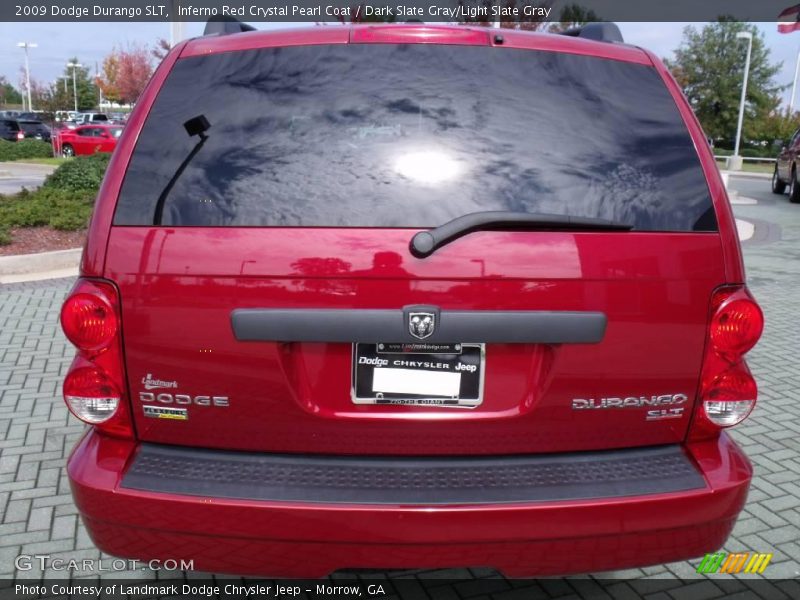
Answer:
[(300, 538)]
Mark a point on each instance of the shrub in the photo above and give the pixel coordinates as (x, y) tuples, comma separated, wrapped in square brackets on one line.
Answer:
[(25, 149), (80, 174), (765, 152), (60, 209), (65, 201)]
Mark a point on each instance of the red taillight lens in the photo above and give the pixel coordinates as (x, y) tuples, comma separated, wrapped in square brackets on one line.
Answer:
[(727, 389), (20, 135), (94, 388), (736, 326), (88, 321)]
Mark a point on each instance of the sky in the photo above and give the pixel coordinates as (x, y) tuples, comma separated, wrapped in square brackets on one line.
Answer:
[(91, 42)]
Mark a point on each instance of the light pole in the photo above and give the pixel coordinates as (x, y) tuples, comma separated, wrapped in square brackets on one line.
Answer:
[(25, 46), (743, 35), (794, 83), (74, 65), (176, 29)]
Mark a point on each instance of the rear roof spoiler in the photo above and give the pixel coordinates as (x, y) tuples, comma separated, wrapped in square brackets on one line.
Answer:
[(224, 25), (600, 32)]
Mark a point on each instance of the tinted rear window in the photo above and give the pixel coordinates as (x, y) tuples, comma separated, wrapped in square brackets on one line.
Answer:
[(413, 136)]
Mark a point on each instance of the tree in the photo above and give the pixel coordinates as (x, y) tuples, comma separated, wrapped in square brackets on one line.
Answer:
[(39, 91), (573, 15), (59, 96), (8, 93), (126, 73), (775, 125), (87, 90), (109, 77), (52, 99), (160, 49), (709, 66)]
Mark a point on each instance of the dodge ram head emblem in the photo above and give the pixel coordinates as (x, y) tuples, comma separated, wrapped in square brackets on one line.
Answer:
[(421, 324)]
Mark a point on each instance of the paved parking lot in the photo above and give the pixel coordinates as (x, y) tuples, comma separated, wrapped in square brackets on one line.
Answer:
[(36, 433), (15, 176)]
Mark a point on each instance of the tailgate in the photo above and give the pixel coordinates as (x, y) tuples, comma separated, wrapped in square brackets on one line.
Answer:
[(633, 387)]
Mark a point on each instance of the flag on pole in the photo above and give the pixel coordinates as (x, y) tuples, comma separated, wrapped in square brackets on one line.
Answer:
[(793, 25)]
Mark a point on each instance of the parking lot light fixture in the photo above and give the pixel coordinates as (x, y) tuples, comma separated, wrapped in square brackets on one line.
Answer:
[(25, 46), (743, 35), (74, 65)]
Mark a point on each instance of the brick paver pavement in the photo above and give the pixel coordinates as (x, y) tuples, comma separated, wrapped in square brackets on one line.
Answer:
[(36, 433)]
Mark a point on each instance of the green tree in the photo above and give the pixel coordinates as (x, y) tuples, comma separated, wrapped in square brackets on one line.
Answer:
[(775, 125), (709, 66), (8, 93), (84, 83), (573, 15), (59, 96)]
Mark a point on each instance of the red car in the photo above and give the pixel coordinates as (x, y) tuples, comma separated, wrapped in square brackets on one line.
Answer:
[(411, 296), (88, 139)]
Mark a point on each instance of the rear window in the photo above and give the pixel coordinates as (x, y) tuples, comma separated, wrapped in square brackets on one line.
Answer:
[(412, 136)]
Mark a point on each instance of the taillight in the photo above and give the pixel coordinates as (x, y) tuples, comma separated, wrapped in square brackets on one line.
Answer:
[(20, 135), (727, 389), (736, 326), (88, 321), (91, 395), (94, 387)]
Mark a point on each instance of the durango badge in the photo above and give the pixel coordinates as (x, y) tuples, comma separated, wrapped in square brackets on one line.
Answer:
[(421, 324)]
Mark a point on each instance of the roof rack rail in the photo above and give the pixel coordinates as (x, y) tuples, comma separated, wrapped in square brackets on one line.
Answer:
[(601, 32), (224, 25)]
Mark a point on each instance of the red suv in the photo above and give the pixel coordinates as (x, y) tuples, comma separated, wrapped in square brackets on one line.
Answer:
[(411, 296)]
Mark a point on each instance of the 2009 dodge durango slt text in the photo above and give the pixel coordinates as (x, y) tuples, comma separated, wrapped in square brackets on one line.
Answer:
[(411, 296)]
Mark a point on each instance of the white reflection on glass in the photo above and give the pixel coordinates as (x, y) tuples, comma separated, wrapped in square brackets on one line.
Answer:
[(430, 167)]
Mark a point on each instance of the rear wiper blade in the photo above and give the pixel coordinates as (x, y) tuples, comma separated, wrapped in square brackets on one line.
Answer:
[(425, 243)]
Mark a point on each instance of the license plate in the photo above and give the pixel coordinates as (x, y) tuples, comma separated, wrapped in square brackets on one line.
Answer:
[(418, 374)]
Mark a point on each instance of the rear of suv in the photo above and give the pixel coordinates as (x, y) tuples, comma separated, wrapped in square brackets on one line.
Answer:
[(10, 130), (410, 297)]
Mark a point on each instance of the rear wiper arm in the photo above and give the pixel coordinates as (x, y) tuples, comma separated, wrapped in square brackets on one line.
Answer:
[(425, 243)]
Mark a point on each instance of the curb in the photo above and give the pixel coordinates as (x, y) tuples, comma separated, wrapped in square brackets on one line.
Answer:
[(29, 267), (747, 174)]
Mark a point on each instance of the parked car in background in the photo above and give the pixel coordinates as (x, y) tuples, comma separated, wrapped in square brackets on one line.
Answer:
[(118, 117), (88, 139), (63, 116), (70, 124), (35, 130), (88, 118), (786, 164), (10, 130), (31, 116)]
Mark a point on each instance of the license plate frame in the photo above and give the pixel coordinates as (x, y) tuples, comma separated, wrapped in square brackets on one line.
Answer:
[(391, 369)]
